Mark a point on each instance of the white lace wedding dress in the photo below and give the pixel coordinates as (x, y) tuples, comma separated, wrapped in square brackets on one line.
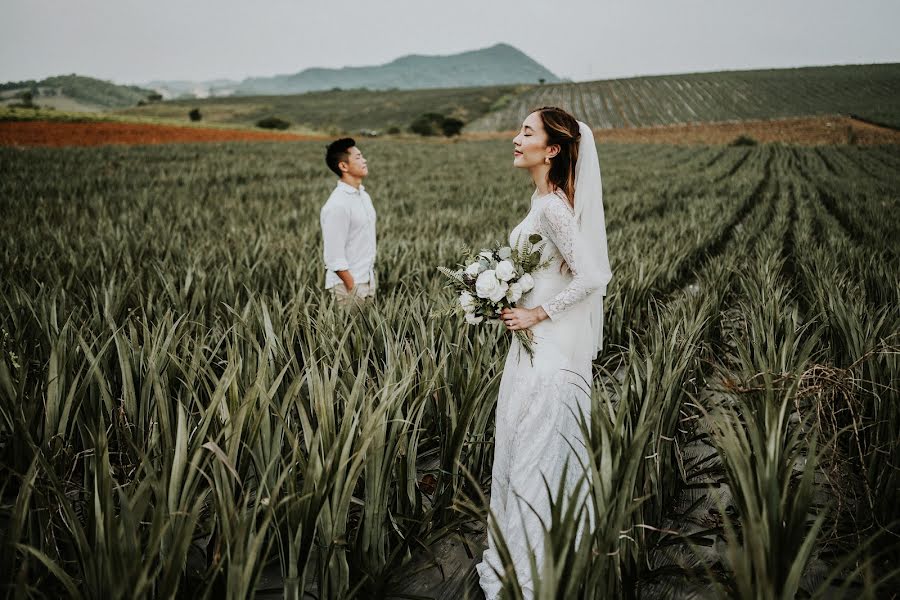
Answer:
[(537, 423)]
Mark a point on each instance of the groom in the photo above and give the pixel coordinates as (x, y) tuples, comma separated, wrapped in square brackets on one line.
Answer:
[(348, 227)]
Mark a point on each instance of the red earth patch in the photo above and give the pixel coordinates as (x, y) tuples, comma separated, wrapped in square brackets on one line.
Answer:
[(101, 133)]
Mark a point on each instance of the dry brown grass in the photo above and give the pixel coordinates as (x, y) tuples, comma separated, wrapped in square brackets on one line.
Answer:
[(806, 131)]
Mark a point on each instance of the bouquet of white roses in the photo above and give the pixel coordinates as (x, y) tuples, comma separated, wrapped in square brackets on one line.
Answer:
[(495, 279)]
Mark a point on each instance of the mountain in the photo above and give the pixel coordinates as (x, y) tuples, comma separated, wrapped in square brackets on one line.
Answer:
[(74, 93), (500, 64), (171, 90)]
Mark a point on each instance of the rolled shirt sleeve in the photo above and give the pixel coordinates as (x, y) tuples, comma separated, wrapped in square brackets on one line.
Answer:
[(335, 230)]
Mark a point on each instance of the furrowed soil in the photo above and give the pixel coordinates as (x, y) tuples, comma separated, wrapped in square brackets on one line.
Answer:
[(807, 131), (99, 133)]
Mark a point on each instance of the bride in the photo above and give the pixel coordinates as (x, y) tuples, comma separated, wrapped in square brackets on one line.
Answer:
[(542, 400)]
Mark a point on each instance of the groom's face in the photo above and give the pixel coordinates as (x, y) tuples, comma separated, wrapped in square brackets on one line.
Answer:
[(355, 164)]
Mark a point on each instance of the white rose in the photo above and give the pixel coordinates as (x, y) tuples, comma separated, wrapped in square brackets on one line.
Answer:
[(514, 293), (504, 252), (474, 269), (499, 293), (486, 284), (487, 254), (471, 319), (527, 282), (505, 270), (467, 302)]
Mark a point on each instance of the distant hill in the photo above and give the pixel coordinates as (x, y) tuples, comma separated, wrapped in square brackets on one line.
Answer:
[(498, 65), (870, 91), (172, 90), (74, 92)]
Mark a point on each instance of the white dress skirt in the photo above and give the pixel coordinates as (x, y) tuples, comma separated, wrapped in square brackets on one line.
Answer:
[(541, 400)]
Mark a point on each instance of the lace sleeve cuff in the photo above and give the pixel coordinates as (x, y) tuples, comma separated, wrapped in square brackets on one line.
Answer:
[(558, 222)]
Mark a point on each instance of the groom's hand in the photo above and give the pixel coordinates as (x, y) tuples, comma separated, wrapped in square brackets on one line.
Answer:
[(347, 278), (522, 318)]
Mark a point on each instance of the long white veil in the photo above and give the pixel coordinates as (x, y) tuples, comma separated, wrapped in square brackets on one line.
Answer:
[(592, 226)]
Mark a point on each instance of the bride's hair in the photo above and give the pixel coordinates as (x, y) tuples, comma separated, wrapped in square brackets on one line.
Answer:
[(562, 129)]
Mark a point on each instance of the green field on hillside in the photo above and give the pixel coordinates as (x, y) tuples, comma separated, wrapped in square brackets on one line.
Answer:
[(76, 89), (343, 110), (870, 91), (182, 406)]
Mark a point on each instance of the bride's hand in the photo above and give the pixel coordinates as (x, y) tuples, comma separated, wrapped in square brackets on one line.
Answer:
[(522, 318)]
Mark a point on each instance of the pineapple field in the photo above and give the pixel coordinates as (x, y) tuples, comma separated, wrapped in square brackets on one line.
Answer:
[(184, 411)]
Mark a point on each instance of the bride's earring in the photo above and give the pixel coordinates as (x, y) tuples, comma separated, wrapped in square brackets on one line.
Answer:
[(546, 160)]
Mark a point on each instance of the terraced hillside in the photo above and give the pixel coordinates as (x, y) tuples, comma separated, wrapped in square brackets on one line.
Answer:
[(871, 91)]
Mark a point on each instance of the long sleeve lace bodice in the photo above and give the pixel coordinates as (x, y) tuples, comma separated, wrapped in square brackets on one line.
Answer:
[(557, 224)]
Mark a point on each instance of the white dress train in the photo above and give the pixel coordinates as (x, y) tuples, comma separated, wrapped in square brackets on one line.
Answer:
[(537, 423)]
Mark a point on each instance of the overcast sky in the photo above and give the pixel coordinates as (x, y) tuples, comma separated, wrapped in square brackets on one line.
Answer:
[(134, 41)]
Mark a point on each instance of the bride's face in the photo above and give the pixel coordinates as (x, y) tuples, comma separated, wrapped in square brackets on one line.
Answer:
[(530, 145)]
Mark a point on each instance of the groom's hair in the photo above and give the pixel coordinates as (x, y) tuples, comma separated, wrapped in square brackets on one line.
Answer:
[(336, 152)]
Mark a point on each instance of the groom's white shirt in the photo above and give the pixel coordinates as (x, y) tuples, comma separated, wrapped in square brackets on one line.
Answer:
[(348, 234)]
